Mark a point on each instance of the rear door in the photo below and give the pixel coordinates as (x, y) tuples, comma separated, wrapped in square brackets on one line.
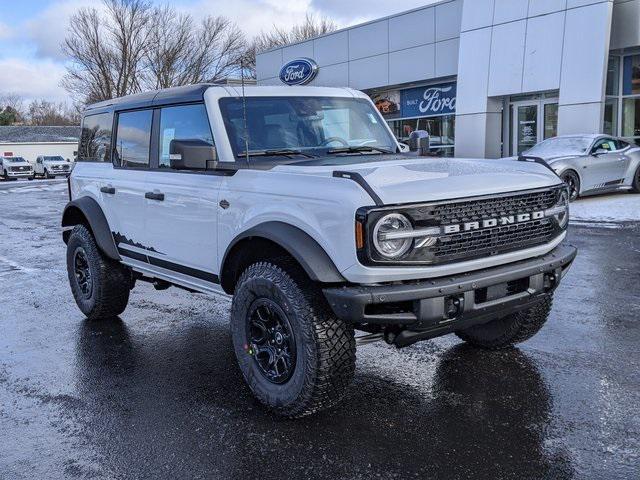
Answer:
[(123, 194), (183, 208)]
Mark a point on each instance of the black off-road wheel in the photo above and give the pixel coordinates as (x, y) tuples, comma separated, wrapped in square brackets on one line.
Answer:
[(507, 331), (636, 182), (572, 180), (99, 285), (295, 355)]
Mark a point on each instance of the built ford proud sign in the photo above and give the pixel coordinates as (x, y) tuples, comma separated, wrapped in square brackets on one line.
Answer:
[(298, 72)]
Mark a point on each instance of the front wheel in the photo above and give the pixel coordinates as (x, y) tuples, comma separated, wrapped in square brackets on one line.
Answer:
[(46, 174), (507, 331), (573, 182), (99, 285), (636, 182), (295, 355)]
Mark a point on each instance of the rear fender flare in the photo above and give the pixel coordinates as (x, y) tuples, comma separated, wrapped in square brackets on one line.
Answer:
[(86, 210)]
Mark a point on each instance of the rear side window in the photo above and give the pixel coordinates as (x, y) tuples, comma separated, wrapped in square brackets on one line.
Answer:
[(95, 138), (133, 139), (185, 122)]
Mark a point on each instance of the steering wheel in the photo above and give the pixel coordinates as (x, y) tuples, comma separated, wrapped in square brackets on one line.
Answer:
[(327, 141)]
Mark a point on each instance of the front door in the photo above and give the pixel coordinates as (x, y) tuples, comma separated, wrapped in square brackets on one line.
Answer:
[(606, 166), (533, 121), (181, 213)]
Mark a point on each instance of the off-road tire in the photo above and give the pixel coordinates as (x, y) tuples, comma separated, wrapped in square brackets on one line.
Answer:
[(325, 345), (111, 281), (636, 182), (46, 174), (507, 331)]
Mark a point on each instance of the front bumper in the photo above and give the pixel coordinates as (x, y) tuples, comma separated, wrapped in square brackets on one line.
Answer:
[(25, 173), (447, 304)]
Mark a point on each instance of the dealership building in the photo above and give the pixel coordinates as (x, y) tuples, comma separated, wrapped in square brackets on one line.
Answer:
[(487, 78)]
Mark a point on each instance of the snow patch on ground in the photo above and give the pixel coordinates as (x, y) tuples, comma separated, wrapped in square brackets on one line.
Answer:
[(607, 208)]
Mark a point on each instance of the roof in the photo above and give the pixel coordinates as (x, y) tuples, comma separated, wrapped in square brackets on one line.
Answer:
[(34, 134), (167, 96)]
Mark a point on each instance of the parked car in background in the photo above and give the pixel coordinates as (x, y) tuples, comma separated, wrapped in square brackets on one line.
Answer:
[(15, 167), (591, 164), (52, 166)]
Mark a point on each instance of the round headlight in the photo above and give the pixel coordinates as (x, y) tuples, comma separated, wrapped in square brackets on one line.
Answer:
[(383, 238)]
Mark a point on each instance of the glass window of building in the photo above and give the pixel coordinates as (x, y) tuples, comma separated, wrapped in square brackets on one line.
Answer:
[(550, 120), (613, 75), (611, 117), (630, 117), (631, 75)]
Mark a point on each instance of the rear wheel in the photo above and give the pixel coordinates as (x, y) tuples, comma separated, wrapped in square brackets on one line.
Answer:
[(573, 182), (100, 285), (507, 331), (296, 357)]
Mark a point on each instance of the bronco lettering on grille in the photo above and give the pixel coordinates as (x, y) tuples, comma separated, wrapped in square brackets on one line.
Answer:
[(492, 222)]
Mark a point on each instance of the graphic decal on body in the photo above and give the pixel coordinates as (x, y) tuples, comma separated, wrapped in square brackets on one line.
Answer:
[(121, 239)]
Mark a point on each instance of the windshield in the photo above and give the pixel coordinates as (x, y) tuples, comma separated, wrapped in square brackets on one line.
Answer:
[(15, 159), (311, 125), (560, 146), (54, 159)]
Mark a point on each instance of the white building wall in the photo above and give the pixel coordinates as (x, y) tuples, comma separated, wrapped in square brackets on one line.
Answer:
[(412, 47), (530, 46), (31, 151)]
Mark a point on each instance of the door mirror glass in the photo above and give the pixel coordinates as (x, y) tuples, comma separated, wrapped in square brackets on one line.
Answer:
[(192, 155), (600, 151)]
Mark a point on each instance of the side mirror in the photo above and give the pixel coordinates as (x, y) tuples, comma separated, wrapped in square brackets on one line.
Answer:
[(600, 151), (192, 155), (404, 148)]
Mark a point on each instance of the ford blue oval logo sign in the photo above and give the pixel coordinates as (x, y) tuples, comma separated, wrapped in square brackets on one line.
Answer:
[(298, 72)]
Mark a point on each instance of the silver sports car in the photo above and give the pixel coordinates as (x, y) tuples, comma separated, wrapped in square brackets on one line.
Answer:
[(591, 164)]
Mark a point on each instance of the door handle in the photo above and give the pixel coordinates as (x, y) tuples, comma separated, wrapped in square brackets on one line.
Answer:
[(154, 196), (109, 190)]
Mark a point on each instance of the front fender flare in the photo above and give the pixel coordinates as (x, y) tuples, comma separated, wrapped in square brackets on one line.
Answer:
[(88, 208), (300, 245)]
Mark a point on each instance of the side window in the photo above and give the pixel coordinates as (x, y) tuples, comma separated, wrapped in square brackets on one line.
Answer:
[(607, 144), (185, 122), (95, 138), (133, 139), (621, 145)]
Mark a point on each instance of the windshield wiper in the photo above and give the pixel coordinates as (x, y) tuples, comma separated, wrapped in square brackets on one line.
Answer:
[(282, 152), (360, 149)]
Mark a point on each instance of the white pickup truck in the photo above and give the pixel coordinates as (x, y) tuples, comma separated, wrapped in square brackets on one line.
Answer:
[(299, 203), (51, 166), (13, 168)]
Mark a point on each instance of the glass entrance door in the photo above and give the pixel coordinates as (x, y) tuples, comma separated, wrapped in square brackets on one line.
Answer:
[(533, 121)]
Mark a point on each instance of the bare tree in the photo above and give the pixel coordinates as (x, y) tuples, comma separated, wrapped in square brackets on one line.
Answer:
[(43, 112), (127, 46), (106, 47), (180, 52), (311, 27)]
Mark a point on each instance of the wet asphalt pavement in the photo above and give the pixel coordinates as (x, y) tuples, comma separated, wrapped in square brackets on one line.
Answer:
[(156, 394)]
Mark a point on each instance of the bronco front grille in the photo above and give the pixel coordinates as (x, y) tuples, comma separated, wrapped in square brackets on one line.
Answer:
[(478, 242), (499, 239)]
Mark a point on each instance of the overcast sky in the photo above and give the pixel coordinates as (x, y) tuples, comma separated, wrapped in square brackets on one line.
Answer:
[(31, 31)]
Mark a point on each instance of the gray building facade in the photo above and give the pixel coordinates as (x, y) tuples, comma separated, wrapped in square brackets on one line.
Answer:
[(488, 78)]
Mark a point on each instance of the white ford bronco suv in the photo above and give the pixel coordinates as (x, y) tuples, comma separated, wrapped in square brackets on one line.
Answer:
[(298, 202)]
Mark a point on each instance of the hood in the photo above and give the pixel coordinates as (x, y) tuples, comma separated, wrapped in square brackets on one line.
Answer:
[(17, 164), (55, 162), (410, 180)]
